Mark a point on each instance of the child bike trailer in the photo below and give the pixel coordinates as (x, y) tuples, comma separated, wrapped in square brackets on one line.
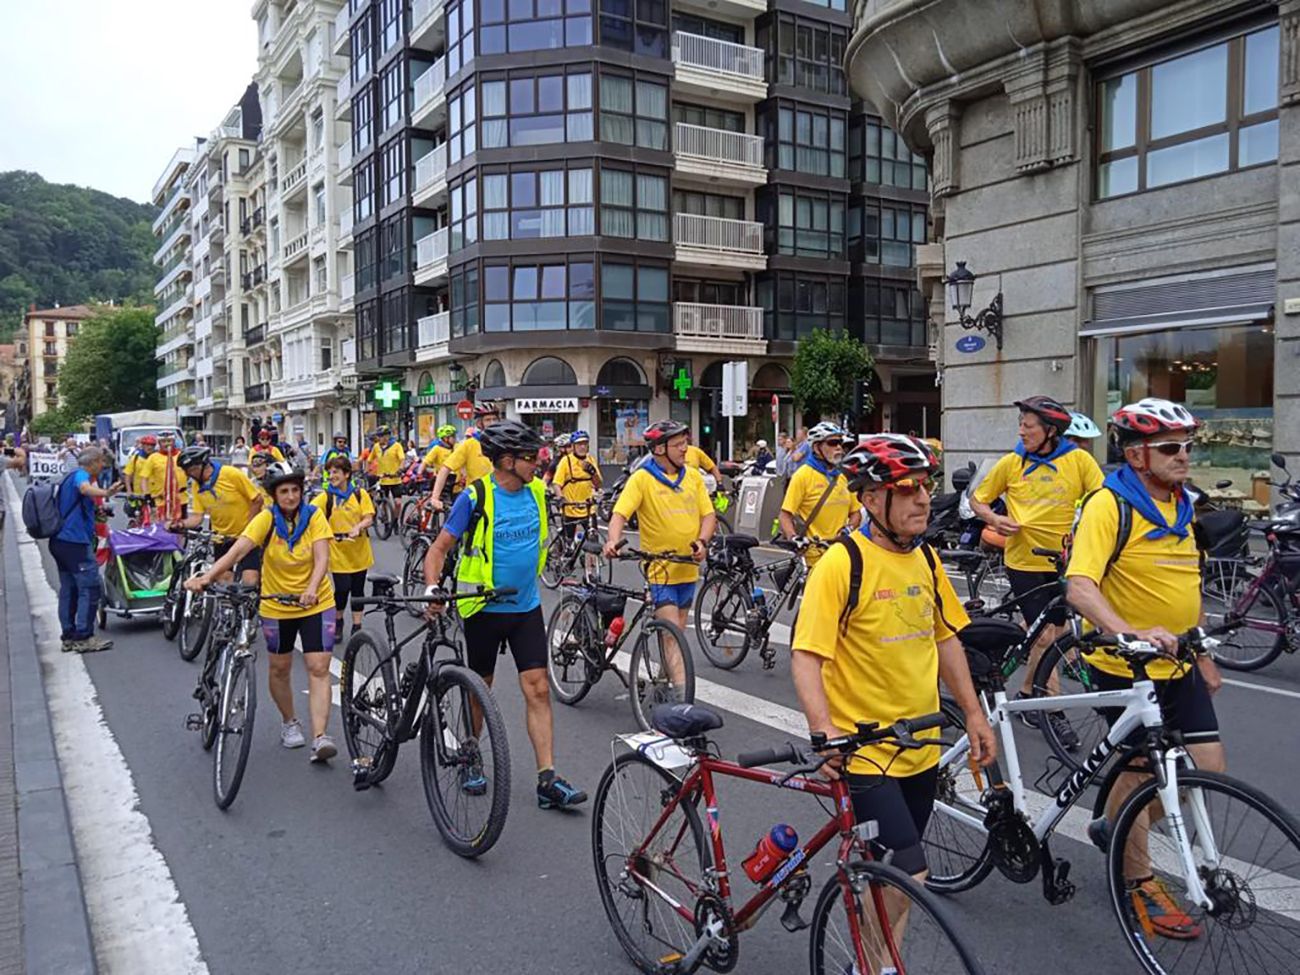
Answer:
[(135, 578)]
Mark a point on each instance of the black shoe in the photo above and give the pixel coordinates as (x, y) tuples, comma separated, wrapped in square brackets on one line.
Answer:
[(554, 793), (1066, 736), (1028, 718)]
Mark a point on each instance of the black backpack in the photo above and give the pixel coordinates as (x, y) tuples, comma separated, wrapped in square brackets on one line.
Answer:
[(42, 515), (855, 580)]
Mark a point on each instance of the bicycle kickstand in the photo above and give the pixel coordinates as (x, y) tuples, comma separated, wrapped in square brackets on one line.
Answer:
[(1057, 888)]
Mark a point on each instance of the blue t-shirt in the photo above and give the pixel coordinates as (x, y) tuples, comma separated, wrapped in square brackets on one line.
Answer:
[(78, 510), (516, 544)]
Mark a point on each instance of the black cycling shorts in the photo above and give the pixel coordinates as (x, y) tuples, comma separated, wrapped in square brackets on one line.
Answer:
[(252, 562), (348, 584), (390, 490), (485, 633), (1185, 703), (901, 807), (1034, 583), (316, 631)]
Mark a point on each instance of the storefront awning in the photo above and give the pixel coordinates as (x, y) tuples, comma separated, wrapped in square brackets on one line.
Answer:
[(1233, 295)]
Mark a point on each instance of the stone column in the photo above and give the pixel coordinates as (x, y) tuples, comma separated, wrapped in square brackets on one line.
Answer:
[(1286, 378), (941, 123)]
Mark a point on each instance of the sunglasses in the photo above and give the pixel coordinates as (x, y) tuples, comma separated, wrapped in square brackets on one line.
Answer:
[(1172, 448), (526, 458), (907, 486)]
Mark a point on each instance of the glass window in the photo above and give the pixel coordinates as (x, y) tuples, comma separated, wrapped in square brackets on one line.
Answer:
[(531, 204), (809, 224), (807, 140), (806, 54), (533, 25), (531, 110), (526, 296), (634, 297)]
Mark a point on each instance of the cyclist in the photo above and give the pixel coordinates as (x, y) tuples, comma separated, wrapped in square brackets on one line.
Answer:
[(136, 481), (563, 447), (295, 541), (1148, 582), (257, 465), (389, 459), (266, 445), (229, 498), (1042, 481), (350, 512), (441, 448), (675, 515), (577, 479), (702, 462), (818, 495), (468, 459), (338, 449), (1082, 431), (502, 518), (165, 478), (878, 654)]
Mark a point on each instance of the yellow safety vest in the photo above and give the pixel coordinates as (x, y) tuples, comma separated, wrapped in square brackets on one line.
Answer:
[(475, 567)]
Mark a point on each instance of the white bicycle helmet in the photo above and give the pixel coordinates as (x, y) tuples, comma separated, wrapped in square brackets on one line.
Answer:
[(826, 431), (1081, 426), (1150, 416), (562, 440)]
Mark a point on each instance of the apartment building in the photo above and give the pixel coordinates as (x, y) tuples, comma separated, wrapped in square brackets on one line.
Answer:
[(586, 215), (47, 334), (296, 372), (174, 230)]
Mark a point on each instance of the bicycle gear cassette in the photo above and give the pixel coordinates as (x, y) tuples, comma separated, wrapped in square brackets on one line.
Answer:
[(714, 917), (1012, 845)]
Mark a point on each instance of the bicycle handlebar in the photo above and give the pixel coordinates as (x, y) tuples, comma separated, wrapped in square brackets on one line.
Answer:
[(490, 595), (902, 732), (1129, 646), (639, 555)]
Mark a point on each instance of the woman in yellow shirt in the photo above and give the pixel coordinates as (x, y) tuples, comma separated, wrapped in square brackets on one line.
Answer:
[(295, 542), (350, 512)]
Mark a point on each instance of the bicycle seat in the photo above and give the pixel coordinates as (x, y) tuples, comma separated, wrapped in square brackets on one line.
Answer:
[(742, 542), (684, 720), (382, 582)]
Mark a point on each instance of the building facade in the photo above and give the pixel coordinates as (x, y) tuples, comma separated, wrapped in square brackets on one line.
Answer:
[(48, 334), (1125, 176), (174, 230)]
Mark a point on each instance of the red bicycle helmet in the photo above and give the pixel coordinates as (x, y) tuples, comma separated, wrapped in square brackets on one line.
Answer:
[(1048, 410), (488, 407), (1150, 416), (886, 458), (663, 431)]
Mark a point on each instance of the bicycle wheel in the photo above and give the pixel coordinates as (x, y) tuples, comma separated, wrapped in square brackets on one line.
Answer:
[(1261, 636), (721, 609), (195, 624), (573, 642), (637, 873), (369, 705), (660, 671), (235, 729), (556, 564), (1064, 659), (211, 715), (383, 517), (850, 936), (465, 761), (413, 574), (408, 521), (956, 840), (173, 604), (1246, 851)]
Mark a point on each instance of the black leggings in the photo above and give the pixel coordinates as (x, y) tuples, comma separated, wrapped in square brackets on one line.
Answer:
[(901, 807), (348, 583)]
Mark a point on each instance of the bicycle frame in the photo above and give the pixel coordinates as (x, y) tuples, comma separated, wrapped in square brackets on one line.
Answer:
[(1270, 575)]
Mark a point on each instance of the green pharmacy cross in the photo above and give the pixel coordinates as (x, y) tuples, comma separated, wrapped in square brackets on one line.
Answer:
[(387, 394), (683, 382)]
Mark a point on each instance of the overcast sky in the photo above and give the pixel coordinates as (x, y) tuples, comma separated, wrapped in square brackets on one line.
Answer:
[(101, 92)]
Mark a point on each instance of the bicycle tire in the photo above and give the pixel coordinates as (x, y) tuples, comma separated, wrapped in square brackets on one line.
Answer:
[(1239, 907), (413, 574), (208, 731), (931, 942), (556, 562), (655, 686), (378, 700), (568, 665), (632, 784), (194, 626), (172, 602), (955, 840), (733, 595), (452, 680), (383, 518), (238, 697), (407, 526), (1248, 646), (1064, 658)]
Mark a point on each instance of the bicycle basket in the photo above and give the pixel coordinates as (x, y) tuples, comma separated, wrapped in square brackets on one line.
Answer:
[(610, 606), (990, 643), (1223, 534)]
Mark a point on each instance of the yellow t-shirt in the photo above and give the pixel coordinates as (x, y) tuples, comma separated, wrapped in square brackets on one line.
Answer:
[(1152, 583), (468, 458), (355, 554), (154, 470), (575, 484), (229, 504), (271, 450), (135, 468), (436, 456), (1042, 504), (698, 459), (885, 666), (285, 571), (388, 463), (669, 519), (806, 488)]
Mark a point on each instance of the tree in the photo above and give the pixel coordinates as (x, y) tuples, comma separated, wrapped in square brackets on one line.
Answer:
[(54, 423), (826, 367), (110, 365)]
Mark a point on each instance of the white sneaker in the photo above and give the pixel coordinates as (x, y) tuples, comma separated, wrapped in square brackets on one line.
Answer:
[(291, 735), (323, 749)]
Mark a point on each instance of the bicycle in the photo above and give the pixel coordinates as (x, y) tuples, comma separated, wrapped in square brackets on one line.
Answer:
[(564, 551), (584, 642), (417, 515), (466, 780), (732, 613), (1173, 822), (184, 613), (385, 496), (668, 892)]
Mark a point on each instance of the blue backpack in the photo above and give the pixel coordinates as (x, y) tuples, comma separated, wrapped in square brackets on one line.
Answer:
[(42, 515)]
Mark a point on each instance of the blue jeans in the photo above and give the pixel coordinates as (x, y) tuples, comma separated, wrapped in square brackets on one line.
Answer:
[(78, 588)]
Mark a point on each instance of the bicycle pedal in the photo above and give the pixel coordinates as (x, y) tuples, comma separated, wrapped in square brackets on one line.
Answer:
[(792, 920), (194, 722)]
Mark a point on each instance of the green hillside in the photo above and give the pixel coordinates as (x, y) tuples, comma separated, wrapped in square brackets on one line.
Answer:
[(69, 244)]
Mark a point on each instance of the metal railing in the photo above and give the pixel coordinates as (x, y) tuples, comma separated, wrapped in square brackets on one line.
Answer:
[(711, 54), (434, 329), (429, 84), (433, 248), (257, 392), (719, 144), (255, 335), (717, 321), (430, 167), (718, 233)]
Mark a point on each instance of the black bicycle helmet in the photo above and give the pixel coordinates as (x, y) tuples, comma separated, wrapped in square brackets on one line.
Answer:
[(1048, 410), (663, 431), (277, 474), (194, 454), (508, 437), (383, 432)]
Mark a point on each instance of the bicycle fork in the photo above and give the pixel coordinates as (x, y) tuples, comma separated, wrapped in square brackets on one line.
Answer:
[(1177, 827)]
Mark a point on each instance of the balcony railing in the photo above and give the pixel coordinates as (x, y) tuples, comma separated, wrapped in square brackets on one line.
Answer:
[(294, 178), (718, 144), (347, 288), (255, 335), (430, 83), (711, 54), (295, 247), (259, 274), (717, 321), (341, 28), (421, 9), (431, 249), (344, 91), (435, 329), (257, 392), (718, 233), (430, 167), (345, 155)]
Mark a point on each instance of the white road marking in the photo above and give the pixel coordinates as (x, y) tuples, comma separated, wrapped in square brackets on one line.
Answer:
[(1250, 686), (138, 921)]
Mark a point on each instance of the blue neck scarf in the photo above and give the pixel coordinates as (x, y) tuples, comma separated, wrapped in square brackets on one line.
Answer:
[(1035, 461), (210, 485), (813, 461), (658, 473), (340, 496), (305, 512), (1127, 483)]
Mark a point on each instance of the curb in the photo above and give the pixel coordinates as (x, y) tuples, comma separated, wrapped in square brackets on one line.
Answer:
[(56, 925)]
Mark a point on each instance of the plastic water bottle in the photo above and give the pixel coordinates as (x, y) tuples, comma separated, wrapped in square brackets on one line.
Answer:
[(615, 630), (771, 851), (760, 600), (579, 534)]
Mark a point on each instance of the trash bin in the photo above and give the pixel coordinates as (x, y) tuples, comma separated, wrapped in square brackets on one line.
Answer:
[(758, 505)]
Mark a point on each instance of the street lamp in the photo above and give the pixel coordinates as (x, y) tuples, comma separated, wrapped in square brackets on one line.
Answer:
[(961, 291)]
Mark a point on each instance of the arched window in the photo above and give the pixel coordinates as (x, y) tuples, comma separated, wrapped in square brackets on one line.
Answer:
[(711, 376), (494, 375), (771, 376), (620, 372), (426, 380), (549, 371)]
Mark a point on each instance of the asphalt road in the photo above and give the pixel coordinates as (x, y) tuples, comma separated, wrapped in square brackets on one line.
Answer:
[(304, 874)]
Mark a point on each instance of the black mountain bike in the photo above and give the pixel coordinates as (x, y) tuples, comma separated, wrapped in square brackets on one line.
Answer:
[(566, 557), (464, 754), (189, 614)]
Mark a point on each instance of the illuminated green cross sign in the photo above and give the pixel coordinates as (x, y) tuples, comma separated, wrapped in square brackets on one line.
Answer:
[(387, 394), (683, 382)]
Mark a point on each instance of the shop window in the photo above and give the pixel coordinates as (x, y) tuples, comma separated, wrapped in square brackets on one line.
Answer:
[(620, 429)]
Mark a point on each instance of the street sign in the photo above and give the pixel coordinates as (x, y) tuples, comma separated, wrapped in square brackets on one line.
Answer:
[(41, 466), (552, 404), (735, 388), (776, 404), (465, 410), (970, 343)]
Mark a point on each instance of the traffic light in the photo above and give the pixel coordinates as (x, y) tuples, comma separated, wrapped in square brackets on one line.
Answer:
[(861, 398)]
